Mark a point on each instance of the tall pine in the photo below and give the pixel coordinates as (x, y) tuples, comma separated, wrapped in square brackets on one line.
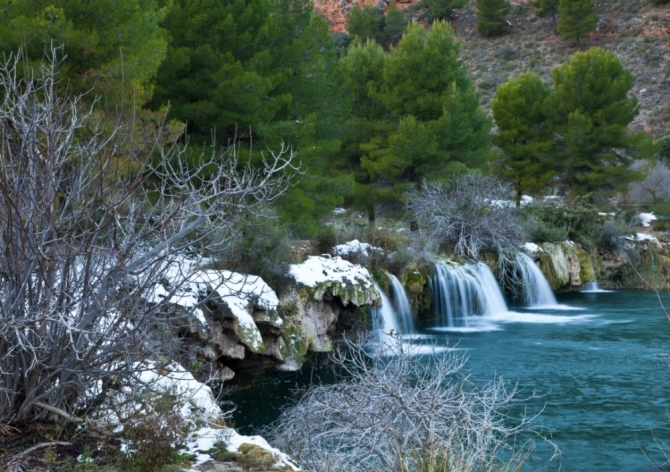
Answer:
[(491, 17), (577, 19), (524, 138), (432, 126), (589, 113), (395, 23)]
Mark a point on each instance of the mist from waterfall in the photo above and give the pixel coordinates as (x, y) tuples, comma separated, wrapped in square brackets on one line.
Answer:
[(461, 292), (535, 288), (401, 305)]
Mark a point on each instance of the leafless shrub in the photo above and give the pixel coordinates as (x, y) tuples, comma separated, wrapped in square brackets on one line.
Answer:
[(654, 187), (470, 215), (91, 220), (398, 412)]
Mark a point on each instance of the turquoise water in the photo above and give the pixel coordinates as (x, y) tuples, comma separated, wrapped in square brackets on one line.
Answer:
[(600, 364)]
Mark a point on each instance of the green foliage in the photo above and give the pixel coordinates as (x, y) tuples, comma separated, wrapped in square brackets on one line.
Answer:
[(661, 209), (491, 17), (659, 1), (110, 45), (443, 9), (408, 125), (577, 19), (367, 23), (395, 23), (663, 150), (579, 221), (267, 69), (523, 135), (590, 112), (262, 248)]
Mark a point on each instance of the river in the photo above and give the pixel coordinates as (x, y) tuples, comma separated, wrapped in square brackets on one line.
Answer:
[(599, 363)]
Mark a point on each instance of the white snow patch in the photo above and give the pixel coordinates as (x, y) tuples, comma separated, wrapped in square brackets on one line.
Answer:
[(317, 269), (199, 410), (647, 218), (205, 439), (531, 248), (356, 247), (240, 292), (639, 237)]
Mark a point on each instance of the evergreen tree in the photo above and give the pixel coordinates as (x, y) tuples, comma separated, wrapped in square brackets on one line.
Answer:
[(491, 17), (523, 135), (265, 70), (113, 47), (433, 125), (363, 66), (395, 23), (443, 9), (577, 19), (545, 8), (366, 23), (590, 112)]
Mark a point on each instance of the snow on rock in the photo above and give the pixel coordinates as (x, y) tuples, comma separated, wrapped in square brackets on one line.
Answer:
[(356, 247), (351, 282), (531, 248), (194, 402), (206, 439), (199, 410), (643, 237), (647, 218), (238, 294), (197, 403)]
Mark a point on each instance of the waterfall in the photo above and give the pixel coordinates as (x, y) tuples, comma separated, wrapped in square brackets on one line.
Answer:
[(384, 320), (536, 289), (460, 292), (401, 304), (592, 287)]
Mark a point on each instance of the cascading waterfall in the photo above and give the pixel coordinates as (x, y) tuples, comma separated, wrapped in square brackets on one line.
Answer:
[(401, 304), (536, 289), (384, 320), (461, 292)]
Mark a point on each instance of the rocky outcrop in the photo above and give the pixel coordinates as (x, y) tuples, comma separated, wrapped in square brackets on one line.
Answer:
[(566, 265), (236, 322), (325, 288), (641, 259)]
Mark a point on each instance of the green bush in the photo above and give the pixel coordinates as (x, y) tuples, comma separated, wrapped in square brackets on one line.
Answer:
[(262, 248), (662, 226), (578, 222), (661, 209)]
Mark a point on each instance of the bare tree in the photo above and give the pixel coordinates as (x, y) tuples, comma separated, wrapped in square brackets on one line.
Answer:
[(92, 218), (399, 412), (472, 214), (655, 186)]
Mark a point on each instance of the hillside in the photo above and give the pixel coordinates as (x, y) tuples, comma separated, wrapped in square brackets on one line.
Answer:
[(636, 31)]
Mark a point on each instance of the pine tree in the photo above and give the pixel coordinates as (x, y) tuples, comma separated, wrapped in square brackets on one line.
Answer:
[(589, 112), (577, 19), (443, 9), (491, 17), (523, 136), (433, 125), (545, 8), (395, 23), (366, 23), (92, 34)]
